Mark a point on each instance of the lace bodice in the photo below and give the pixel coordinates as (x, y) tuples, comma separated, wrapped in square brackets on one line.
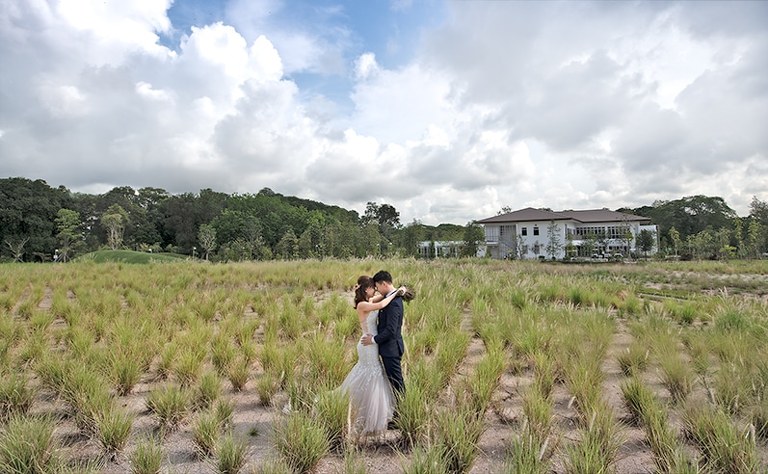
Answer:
[(371, 321)]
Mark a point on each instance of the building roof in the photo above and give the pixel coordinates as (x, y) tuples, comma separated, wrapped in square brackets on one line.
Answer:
[(530, 214)]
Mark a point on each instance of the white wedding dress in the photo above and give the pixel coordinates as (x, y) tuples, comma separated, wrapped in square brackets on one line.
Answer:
[(371, 401)]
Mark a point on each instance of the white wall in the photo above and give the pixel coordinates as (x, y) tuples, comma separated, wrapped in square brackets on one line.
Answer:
[(529, 241)]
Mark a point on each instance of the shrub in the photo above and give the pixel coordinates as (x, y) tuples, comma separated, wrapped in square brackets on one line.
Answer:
[(208, 390), (300, 441), (27, 446), (723, 447), (16, 397), (169, 404), (126, 372), (331, 410), (266, 387), (205, 432), (147, 457), (458, 431), (238, 374), (230, 455), (113, 427)]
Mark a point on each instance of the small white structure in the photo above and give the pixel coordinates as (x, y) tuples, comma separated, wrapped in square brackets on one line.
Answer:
[(539, 233), (445, 248)]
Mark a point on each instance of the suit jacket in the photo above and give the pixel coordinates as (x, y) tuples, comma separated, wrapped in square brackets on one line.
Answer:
[(389, 327)]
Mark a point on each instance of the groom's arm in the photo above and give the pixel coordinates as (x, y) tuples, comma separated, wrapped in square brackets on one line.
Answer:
[(394, 321)]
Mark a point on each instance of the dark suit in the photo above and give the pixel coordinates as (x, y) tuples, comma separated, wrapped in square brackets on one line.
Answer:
[(390, 341)]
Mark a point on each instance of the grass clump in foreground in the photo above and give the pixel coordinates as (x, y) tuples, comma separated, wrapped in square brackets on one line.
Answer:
[(600, 442), (27, 446), (634, 360), (230, 455), (530, 452), (16, 396), (170, 404), (724, 448), (113, 427), (206, 432), (457, 432), (300, 441), (147, 457)]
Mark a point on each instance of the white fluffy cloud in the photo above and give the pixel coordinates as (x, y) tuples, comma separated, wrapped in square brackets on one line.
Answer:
[(556, 104)]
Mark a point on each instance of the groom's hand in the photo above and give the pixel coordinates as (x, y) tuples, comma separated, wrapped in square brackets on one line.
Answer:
[(367, 340)]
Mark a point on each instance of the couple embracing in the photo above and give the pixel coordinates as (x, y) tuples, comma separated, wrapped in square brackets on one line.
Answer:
[(375, 383)]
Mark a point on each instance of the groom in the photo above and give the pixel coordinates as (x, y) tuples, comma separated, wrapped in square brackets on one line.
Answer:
[(389, 337)]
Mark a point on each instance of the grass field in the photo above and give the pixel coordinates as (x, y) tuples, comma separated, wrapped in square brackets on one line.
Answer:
[(130, 256), (185, 366)]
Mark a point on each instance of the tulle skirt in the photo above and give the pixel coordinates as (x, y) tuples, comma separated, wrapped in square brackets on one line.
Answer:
[(371, 401)]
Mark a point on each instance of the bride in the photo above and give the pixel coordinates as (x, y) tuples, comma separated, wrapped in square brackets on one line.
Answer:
[(371, 400)]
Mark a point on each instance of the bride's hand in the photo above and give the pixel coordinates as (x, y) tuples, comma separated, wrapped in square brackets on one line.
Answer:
[(401, 291)]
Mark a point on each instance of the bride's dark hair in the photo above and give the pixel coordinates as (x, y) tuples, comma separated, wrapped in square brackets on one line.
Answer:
[(363, 283)]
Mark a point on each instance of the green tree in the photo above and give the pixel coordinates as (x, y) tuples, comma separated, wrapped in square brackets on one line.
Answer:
[(474, 236), (689, 215), (338, 238), (288, 246), (755, 233), (67, 224), (570, 248), (17, 247), (182, 216), (237, 250), (759, 210), (28, 210), (245, 228), (370, 241), (386, 216), (646, 240), (674, 236), (702, 245), (410, 238), (517, 248), (738, 238), (207, 238), (589, 244), (311, 243), (113, 220), (554, 243)]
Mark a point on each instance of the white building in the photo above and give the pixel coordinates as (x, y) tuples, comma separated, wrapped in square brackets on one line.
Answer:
[(537, 233)]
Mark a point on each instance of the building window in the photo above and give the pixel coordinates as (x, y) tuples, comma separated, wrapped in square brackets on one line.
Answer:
[(524, 231), (535, 230)]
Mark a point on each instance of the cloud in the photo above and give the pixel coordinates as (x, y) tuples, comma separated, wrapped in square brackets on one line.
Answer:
[(553, 104)]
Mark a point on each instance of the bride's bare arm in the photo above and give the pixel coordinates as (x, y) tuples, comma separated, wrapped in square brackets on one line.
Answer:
[(376, 298), (371, 305)]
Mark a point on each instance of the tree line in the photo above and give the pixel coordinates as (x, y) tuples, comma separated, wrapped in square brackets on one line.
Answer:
[(705, 227), (42, 223)]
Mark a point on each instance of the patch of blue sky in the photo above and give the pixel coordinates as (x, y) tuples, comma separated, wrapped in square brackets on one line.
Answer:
[(184, 14), (390, 29)]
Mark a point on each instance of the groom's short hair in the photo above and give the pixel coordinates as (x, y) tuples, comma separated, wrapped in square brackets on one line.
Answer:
[(382, 275)]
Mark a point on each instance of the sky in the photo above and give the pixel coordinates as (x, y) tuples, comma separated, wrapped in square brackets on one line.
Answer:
[(446, 110)]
